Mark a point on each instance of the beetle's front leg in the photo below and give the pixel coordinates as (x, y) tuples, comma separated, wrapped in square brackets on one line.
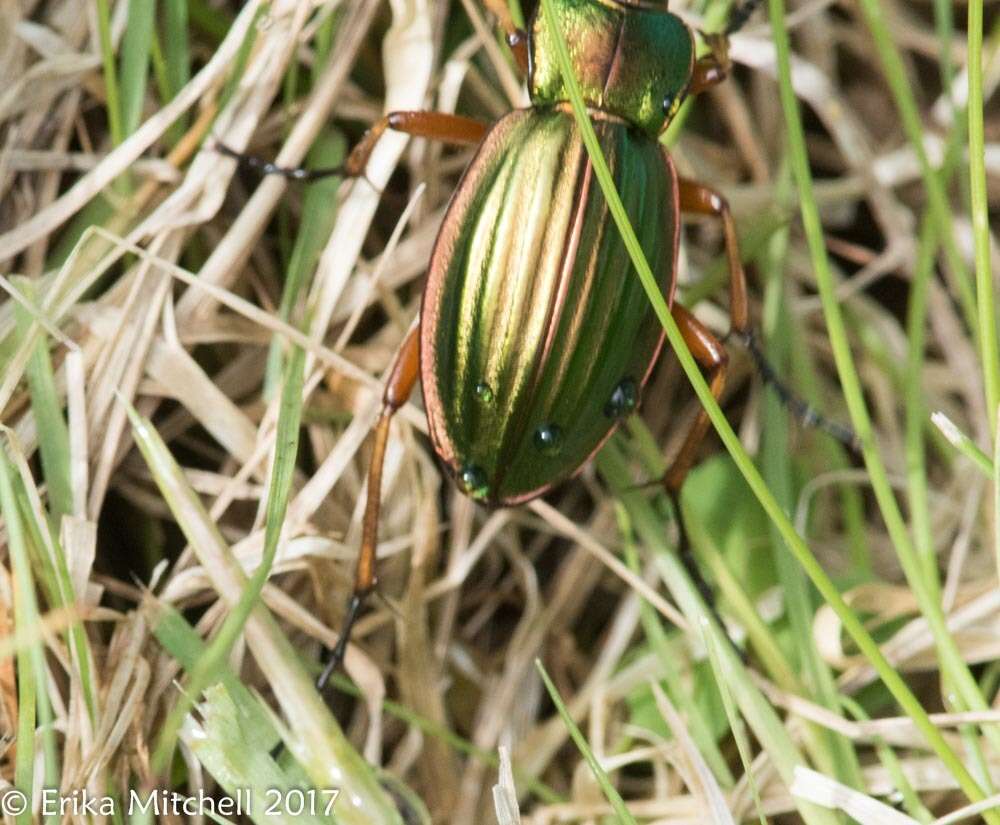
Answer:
[(517, 38), (432, 125), (441, 126), (398, 388), (714, 67)]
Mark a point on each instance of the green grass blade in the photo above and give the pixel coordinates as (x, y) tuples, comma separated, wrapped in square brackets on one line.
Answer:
[(318, 743), (24, 763), (952, 664), (461, 745), (176, 45), (213, 21), (832, 752), (990, 353), (182, 642), (159, 65), (318, 217), (54, 574), (233, 753), (714, 645), (902, 91), (916, 412), (961, 442), (33, 698), (996, 497), (672, 681), (944, 25), (282, 471), (758, 713), (237, 755), (609, 790), (53, 434), (176, 59), (887, 756), (112, 94), (137, 41), (242, 56)]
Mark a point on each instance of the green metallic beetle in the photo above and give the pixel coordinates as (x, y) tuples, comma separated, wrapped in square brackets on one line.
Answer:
[(535, 336)]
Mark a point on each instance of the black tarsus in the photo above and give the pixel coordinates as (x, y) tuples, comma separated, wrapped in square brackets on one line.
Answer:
[(687, 557), (690, 563), (740, 14), (802, 410), (267, 168), (334, 658)]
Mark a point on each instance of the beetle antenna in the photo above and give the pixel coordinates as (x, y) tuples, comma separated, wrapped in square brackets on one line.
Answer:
[(802, 410), (740, 14)]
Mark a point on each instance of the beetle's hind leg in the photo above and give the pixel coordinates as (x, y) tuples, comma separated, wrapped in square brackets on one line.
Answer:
[(710, 353), (441, 126), (398, 388), (699, 199), (802, 410)]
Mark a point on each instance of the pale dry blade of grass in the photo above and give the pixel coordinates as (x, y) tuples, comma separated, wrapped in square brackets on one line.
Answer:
[(505, 794), (711, 795), (822, 790)]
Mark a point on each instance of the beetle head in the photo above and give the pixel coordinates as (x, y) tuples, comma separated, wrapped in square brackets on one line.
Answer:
[(632, 59)]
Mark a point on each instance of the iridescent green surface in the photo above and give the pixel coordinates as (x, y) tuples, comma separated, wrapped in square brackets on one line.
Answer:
[(631, 60), (535, 332)]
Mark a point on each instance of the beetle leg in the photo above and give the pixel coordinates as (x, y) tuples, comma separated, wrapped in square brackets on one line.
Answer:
[(713, 68), (704, 201), (694, 197), (740, 14), (433, 125), (517, 38), (398, 388), (266, 167), (441, 126), (711, 355)]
